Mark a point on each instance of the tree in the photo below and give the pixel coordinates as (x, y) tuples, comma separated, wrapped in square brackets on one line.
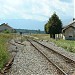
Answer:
[(54, 25), (46, 28)]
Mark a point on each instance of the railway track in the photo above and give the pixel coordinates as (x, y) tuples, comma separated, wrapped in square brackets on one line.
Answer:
[(65, 65), (70, 60)]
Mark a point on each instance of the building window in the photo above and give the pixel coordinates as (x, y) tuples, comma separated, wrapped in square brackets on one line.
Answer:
[(70, 36)]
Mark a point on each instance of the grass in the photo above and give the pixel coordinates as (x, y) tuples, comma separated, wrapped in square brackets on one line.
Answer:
[(4, 54), (66, 44)]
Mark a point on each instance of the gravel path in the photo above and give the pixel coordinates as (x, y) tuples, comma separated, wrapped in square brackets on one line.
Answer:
[(28, 61)]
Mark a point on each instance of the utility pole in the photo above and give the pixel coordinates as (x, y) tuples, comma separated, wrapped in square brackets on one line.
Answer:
[(21, 36)]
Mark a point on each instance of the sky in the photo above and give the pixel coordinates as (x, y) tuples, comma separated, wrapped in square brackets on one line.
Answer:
[(34, 14)]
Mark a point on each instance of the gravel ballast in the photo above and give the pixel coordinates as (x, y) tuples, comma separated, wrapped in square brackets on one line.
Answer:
[(62, 51), (28, 61), (68, 67)]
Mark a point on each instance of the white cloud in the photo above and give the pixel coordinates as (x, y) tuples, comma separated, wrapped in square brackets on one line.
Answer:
[(34, 9)]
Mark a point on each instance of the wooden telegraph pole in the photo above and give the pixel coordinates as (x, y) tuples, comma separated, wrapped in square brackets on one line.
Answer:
[(21, 36)]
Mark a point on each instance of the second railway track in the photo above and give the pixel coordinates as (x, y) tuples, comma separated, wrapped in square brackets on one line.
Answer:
[(65, 65)]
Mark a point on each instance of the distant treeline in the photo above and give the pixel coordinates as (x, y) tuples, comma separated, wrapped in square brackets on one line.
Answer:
[(30, 31)]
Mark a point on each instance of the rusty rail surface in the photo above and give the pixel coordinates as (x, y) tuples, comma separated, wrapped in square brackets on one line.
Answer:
[(61, 72), (71, 60)]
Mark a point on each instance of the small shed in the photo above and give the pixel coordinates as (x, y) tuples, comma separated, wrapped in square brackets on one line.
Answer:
[(69, 31)]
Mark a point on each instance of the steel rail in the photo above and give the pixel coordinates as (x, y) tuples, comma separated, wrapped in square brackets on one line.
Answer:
[(61, 71), (56, 52)]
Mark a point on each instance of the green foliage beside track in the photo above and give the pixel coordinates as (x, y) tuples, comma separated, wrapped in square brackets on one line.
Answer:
[(68, 45), (4, 54)]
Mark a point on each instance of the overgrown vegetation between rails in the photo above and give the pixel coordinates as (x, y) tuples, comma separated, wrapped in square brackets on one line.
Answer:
[(68, 45), (4, 54)]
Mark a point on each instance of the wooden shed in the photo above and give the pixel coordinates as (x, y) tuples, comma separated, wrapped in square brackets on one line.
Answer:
[(69, 31)]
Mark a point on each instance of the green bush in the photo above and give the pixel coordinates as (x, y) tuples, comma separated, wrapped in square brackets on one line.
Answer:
[(6, 31)]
